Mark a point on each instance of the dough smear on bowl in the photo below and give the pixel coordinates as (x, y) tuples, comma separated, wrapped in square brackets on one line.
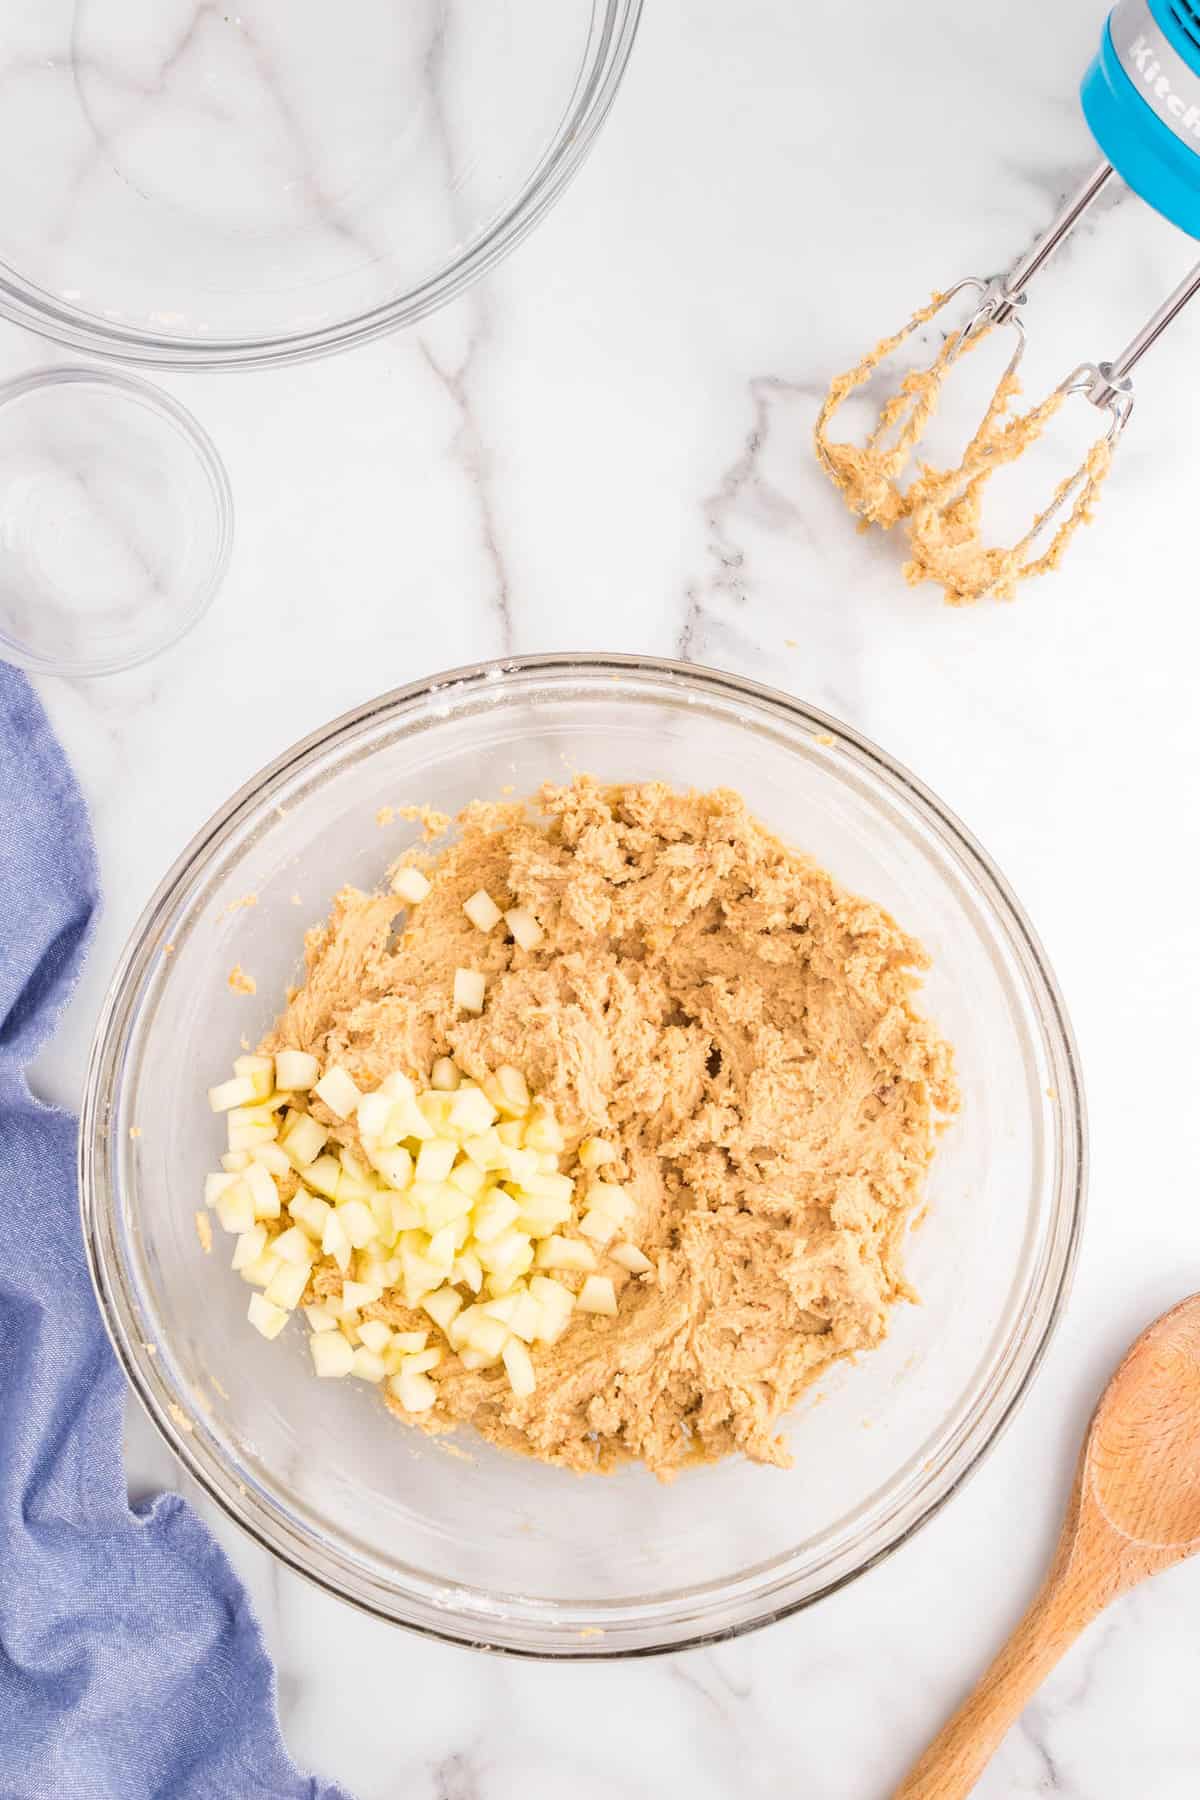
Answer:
[(740, 1028)]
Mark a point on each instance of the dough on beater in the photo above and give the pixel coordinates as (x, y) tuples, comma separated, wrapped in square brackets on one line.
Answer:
[(739, 1026), (940, 510)]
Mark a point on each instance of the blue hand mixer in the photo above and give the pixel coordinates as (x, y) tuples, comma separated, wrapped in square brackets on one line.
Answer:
[(1141, 98)]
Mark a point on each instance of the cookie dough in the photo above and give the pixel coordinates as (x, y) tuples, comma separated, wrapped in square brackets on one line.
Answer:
[(739, 1026)]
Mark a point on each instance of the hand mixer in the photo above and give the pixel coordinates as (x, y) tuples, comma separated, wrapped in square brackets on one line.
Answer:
[(1141, 99)]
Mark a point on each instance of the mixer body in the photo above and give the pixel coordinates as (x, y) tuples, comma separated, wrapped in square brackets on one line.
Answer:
[(1141, 99)]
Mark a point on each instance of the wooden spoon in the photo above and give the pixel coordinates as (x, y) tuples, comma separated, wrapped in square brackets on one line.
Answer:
[(1135, 1509)]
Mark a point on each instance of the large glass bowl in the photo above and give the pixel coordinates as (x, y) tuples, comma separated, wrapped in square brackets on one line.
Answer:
[(463, 1540), (237, 185)]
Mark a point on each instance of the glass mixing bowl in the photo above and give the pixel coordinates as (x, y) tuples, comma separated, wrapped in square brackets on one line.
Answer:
[(459, 1539), (229, 186)]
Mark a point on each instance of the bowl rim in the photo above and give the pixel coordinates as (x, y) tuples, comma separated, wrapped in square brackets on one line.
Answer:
[(979, 1434), (614, 28)]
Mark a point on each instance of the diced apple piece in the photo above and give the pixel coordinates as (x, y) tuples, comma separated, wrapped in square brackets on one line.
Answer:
[(594, 1152), (609, 1198), (416, 1393), (597, 1295), (310, 1212), (373, 1114), (441, 1205), (435, 1160), (471, 1112), (235, 1161), (526, 1317), (494, 1213), (296, 1070), (508, 1255), (469, 1270), (358, 1223), (470, 989), (409, 1343), (482, 911), (486, 1151), (598, 1226), (524, 927), (565, 1253), (321, 1319), (296, 1247), (445, 1075), (368, 1365), (242, 1136), (488, 1336), (442, 1248), (265, 1194), (249, 1247), (474, 1359), (235, 1206), (410, 885), (398, 1086), (518, 1366), (375, 1335), (263, 1272), (468, 1178), (265, 1317), (272, 1158), (422, 1362), (543, 1131), (215, 1186), (442, 1305), (303, 1139), (331, 1354), (238, 1091), (258, 1069), (287, 1285), (420, 1275), (631, 1258), (357, 1294), (339, 1092), (396, 1167), (523, 1165)]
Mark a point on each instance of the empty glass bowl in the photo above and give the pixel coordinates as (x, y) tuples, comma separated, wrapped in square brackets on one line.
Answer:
[(231, 185), (459, 1539), (115, 521)]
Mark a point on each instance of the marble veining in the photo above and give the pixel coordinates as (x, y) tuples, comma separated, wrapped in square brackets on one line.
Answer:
[(605, 446)]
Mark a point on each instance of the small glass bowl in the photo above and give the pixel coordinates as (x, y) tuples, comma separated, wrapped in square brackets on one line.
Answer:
[(456, 1538), (116, 521)]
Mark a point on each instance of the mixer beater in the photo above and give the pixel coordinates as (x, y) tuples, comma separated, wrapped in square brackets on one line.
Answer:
[(1141, 98)]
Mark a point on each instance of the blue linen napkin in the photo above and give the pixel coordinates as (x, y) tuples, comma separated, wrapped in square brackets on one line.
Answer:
[(131, 1665)]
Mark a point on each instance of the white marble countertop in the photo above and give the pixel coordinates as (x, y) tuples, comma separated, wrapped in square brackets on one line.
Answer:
[(606, 447)]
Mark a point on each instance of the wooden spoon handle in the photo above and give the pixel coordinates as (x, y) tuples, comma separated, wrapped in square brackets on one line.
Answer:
[(962, 1750)]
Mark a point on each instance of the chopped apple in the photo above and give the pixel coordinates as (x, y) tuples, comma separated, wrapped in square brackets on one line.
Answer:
[(262, 1187), (565, 1253), (321, 1319), (445, 1075), (595, 1152), (367, 1364), (524, 927), (249, 1247), (239, 1091), (631, 1258), (234, 1161), (303, 1139), (416, 1393), (263, 1272), (598, 1226), (470, 989), (442, 1305), (296, 1247), (258, 1069), (518, 1365), (494, 1212), (249, 1135), (339, 1092), (435, 1160), (235, 1206), (358, 1294), (375, 1335), (310, 1212), (597, 1295), (410, 885), (543, 1131), (469, 1270), (287, 1285), (409, 1343), (215, 1186), (266, 1318), (296, 1070), (610, 1198), (331, 1354), (482, 911), (471, 1112), (422, 1362), (272, 1157)]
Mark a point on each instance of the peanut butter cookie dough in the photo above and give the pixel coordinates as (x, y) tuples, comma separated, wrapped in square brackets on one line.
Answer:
[(739, 1027)]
